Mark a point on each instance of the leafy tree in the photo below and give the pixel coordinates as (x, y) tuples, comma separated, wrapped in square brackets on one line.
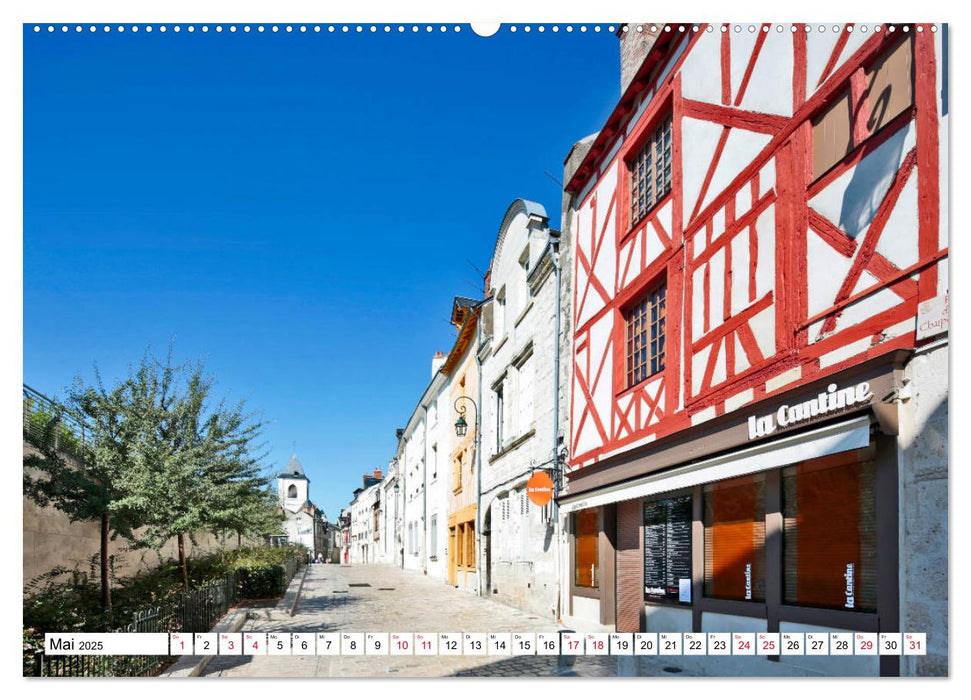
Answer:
[(87, 481), (159, 457), (252, 513), (197, 461)]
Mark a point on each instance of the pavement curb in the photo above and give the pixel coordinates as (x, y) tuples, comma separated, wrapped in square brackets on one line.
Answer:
[(289, 600), (193, 666), (296, 598)]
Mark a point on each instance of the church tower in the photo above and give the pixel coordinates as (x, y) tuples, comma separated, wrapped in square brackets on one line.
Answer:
[(293, 486)]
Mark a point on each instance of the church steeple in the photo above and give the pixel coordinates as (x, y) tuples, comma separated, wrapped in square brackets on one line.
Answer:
[(293, 486), (293, 470)]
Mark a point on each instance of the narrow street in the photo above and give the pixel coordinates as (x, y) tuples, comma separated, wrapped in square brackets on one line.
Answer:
[(380, 598)]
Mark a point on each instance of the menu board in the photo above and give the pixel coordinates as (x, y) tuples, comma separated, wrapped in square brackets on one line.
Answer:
[(667, 548)]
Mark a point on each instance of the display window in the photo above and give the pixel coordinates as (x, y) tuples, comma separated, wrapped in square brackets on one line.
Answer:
[(586, 570), (734, 517), (829, 535)]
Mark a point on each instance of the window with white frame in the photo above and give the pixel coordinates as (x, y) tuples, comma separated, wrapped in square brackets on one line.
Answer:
[(500, 415), (523, 281), (499, 316), (526, 390)]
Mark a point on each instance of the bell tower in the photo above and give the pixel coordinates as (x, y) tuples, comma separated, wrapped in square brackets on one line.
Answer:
[(293, 486)]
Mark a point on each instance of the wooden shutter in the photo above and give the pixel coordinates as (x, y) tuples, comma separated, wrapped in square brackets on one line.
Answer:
[(630, 571)]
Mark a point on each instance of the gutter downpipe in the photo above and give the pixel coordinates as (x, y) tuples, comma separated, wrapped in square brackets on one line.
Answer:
[(478, 455), (424, 495), (555, 250), (403, 467)]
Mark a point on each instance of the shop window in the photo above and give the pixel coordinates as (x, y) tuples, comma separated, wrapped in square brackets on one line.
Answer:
[(734, 517), (586, 571), (853, 117), (667, 550), (646, 336), (650, 172), (829, 535)]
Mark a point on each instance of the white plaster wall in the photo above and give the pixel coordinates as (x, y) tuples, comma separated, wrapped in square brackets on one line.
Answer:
[(303, 488), (441, 423), (295, 524), (699, 81), (662, 618), (586, 608), (770, 88), (414, 486), (529, 580)]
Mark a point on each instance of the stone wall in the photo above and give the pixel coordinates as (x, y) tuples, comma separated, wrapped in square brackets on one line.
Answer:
[(51, 540), (923, 465)]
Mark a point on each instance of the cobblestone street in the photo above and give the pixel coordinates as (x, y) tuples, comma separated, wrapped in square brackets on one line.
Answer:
[(377, 598)]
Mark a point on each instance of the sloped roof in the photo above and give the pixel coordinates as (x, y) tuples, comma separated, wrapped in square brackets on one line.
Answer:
[(294, 469)]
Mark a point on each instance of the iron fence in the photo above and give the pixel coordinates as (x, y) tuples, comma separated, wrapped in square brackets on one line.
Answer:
[(72, 433), (195, 611)]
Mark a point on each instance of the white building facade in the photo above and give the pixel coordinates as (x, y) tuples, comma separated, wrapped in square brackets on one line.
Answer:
[(365, 530), (305, 523), (421, 496), (517, 352)]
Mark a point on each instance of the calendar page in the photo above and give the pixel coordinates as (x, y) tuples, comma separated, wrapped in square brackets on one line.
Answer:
[(360, 348)]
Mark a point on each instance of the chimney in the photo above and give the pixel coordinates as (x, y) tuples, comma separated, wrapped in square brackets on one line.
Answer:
[(634, 46), (377, 473), (437, 361)]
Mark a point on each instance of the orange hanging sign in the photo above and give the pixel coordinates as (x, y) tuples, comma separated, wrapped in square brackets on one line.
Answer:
[(539, 488)]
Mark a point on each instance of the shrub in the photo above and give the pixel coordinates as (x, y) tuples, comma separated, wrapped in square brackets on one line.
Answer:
[(69, 600), (261, 580)]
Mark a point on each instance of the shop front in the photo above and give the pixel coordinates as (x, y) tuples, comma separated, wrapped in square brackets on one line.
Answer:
[(780, 517)]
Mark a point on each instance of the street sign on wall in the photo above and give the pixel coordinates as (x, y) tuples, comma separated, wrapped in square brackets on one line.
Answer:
[(539, 488)]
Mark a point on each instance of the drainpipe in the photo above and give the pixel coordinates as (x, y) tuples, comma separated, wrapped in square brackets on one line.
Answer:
[(555, 251), (403, 466), (478, 455), (424, 496)]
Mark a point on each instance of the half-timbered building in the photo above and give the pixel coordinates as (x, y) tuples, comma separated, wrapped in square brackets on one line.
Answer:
[(759, 380)]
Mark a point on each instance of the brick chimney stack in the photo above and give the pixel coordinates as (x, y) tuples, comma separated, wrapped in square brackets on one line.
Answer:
[(377, 473), (634, 46), (437, 361)]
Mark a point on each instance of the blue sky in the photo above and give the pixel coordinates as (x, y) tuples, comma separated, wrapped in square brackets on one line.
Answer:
[(294, 209)]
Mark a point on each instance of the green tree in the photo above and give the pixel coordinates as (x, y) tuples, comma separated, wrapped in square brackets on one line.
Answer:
[(87, 481), (253, 513), (199, 461)]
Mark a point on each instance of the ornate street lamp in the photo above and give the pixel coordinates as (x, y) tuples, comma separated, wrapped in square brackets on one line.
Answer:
[(461, 425)]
